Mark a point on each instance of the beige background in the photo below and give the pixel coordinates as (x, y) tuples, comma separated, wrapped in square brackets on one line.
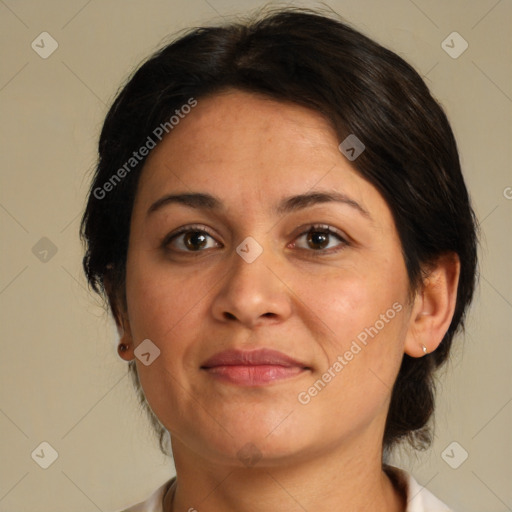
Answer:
[(61, 380)]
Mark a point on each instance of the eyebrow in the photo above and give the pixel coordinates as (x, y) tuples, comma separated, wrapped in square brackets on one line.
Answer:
[(290, 204)]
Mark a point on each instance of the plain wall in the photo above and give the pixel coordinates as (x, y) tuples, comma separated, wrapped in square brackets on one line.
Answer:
[(61, 380)]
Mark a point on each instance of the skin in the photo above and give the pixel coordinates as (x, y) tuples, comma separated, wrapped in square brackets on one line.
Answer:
[(251, 152)]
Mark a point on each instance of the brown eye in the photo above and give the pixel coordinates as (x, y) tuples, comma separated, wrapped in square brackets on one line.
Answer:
[(189, 239), (194, 240), (319, 238)]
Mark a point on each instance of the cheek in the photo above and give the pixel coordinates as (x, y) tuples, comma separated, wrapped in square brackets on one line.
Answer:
[(167, 311), (348, 302), (166, 307), (354, 386), (159, 299), (366, 316)]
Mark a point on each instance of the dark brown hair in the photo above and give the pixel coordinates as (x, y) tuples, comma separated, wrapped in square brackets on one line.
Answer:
[(315, 60)]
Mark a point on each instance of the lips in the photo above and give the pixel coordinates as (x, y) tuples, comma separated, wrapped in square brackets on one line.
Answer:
[(233, 357), (252, 368)]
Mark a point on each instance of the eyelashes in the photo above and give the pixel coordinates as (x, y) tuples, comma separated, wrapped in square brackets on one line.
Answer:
[(326, 232), (193, 240), (194, 229)]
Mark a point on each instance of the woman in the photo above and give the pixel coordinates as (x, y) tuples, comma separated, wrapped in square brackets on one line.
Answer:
[(279, 221)]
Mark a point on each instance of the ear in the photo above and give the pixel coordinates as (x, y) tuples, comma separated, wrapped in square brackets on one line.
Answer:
[(118, 308), (433, 307)]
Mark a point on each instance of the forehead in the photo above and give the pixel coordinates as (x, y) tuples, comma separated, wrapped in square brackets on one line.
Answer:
[(236, 126), (254, 148)]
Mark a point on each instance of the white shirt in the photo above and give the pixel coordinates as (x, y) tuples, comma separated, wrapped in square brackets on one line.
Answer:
[(419, 499)]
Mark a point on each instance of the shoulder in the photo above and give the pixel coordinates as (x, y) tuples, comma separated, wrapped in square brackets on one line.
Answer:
[(154, 502), (419, 499)]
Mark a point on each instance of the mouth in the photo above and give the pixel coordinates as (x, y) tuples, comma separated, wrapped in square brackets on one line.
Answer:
[(253, 368)]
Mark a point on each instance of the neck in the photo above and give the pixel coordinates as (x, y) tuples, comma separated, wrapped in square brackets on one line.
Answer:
[(339, 480)]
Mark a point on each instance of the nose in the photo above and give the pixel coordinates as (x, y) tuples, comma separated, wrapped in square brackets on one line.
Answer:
[(253, 293)]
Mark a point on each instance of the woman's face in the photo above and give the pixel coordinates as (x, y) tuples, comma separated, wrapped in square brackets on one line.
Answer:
[(256, 269)]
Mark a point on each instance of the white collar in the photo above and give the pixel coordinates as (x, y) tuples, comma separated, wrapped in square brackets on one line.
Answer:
[(419, 499)]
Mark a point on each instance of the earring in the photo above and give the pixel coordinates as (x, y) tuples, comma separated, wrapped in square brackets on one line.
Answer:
[(122, 347), (424, 349)]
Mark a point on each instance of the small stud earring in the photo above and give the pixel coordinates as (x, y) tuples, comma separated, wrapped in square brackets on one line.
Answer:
[(424, 349), (122, 347)]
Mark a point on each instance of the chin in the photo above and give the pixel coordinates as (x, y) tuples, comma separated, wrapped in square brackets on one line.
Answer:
[(264, 442), (256, 452)]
